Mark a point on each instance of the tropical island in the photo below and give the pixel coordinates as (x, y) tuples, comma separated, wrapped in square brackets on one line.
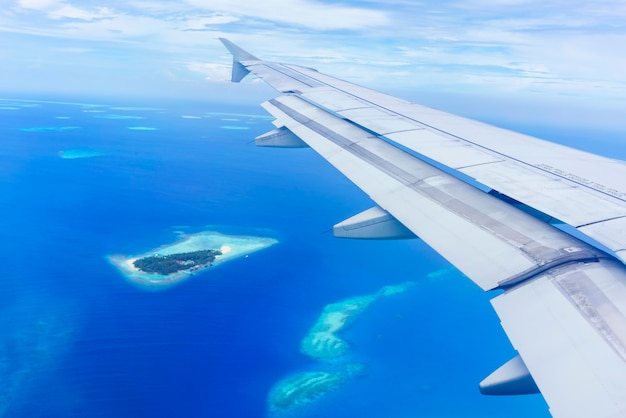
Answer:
[(191, 254), (168, 264)]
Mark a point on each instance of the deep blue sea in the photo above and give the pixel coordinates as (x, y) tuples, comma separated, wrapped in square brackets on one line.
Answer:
[(78, 340)]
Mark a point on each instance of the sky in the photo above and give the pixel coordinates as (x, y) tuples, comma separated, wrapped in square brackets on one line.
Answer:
[(529, 51), (520, 64)]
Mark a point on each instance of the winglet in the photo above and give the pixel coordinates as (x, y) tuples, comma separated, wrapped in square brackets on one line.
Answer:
[(239, 70)]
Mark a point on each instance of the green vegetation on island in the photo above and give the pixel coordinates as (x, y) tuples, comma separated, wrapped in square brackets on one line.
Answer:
[(172, 263)]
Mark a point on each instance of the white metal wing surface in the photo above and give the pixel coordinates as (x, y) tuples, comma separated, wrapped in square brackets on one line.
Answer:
[(564, 301)]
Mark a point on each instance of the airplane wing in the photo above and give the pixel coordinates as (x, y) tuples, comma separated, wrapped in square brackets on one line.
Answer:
[(484, 198)]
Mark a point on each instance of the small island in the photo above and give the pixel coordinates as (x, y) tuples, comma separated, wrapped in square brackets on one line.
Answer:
[(191, 254), (168, 264)]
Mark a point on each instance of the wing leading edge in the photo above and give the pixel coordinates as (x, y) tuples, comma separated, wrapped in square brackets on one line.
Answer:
[(564, 301)]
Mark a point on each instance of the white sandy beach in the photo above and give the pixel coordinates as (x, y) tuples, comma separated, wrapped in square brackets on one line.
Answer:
[(231, 246)]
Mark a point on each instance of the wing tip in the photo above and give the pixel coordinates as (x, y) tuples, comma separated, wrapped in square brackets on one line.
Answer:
[(239, 71), (239, 54)]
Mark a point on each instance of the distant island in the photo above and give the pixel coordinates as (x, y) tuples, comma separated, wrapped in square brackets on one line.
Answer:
[(73, 154), (169, 264)]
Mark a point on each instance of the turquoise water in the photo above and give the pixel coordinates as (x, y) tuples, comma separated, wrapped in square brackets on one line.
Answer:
[(77, 339)]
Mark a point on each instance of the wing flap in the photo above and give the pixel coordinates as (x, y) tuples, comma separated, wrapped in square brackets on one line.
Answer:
[(610, 233), (569, 327)]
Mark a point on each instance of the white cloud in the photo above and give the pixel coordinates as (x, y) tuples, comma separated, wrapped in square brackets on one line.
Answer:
[(203, 23), (117, 27), (71, 12), (59, 9), (304, 13), (213, 72), (73, 50), (507, 45), (39, 4)]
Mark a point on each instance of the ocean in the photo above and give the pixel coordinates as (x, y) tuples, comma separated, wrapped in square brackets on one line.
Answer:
[(81, 180)]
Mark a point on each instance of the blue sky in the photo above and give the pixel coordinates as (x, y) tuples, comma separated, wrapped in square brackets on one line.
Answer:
[(540, 55)]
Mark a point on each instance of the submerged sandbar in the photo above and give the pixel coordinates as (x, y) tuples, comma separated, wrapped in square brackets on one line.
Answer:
[(305, 388), (223, 248), (322, 341)]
